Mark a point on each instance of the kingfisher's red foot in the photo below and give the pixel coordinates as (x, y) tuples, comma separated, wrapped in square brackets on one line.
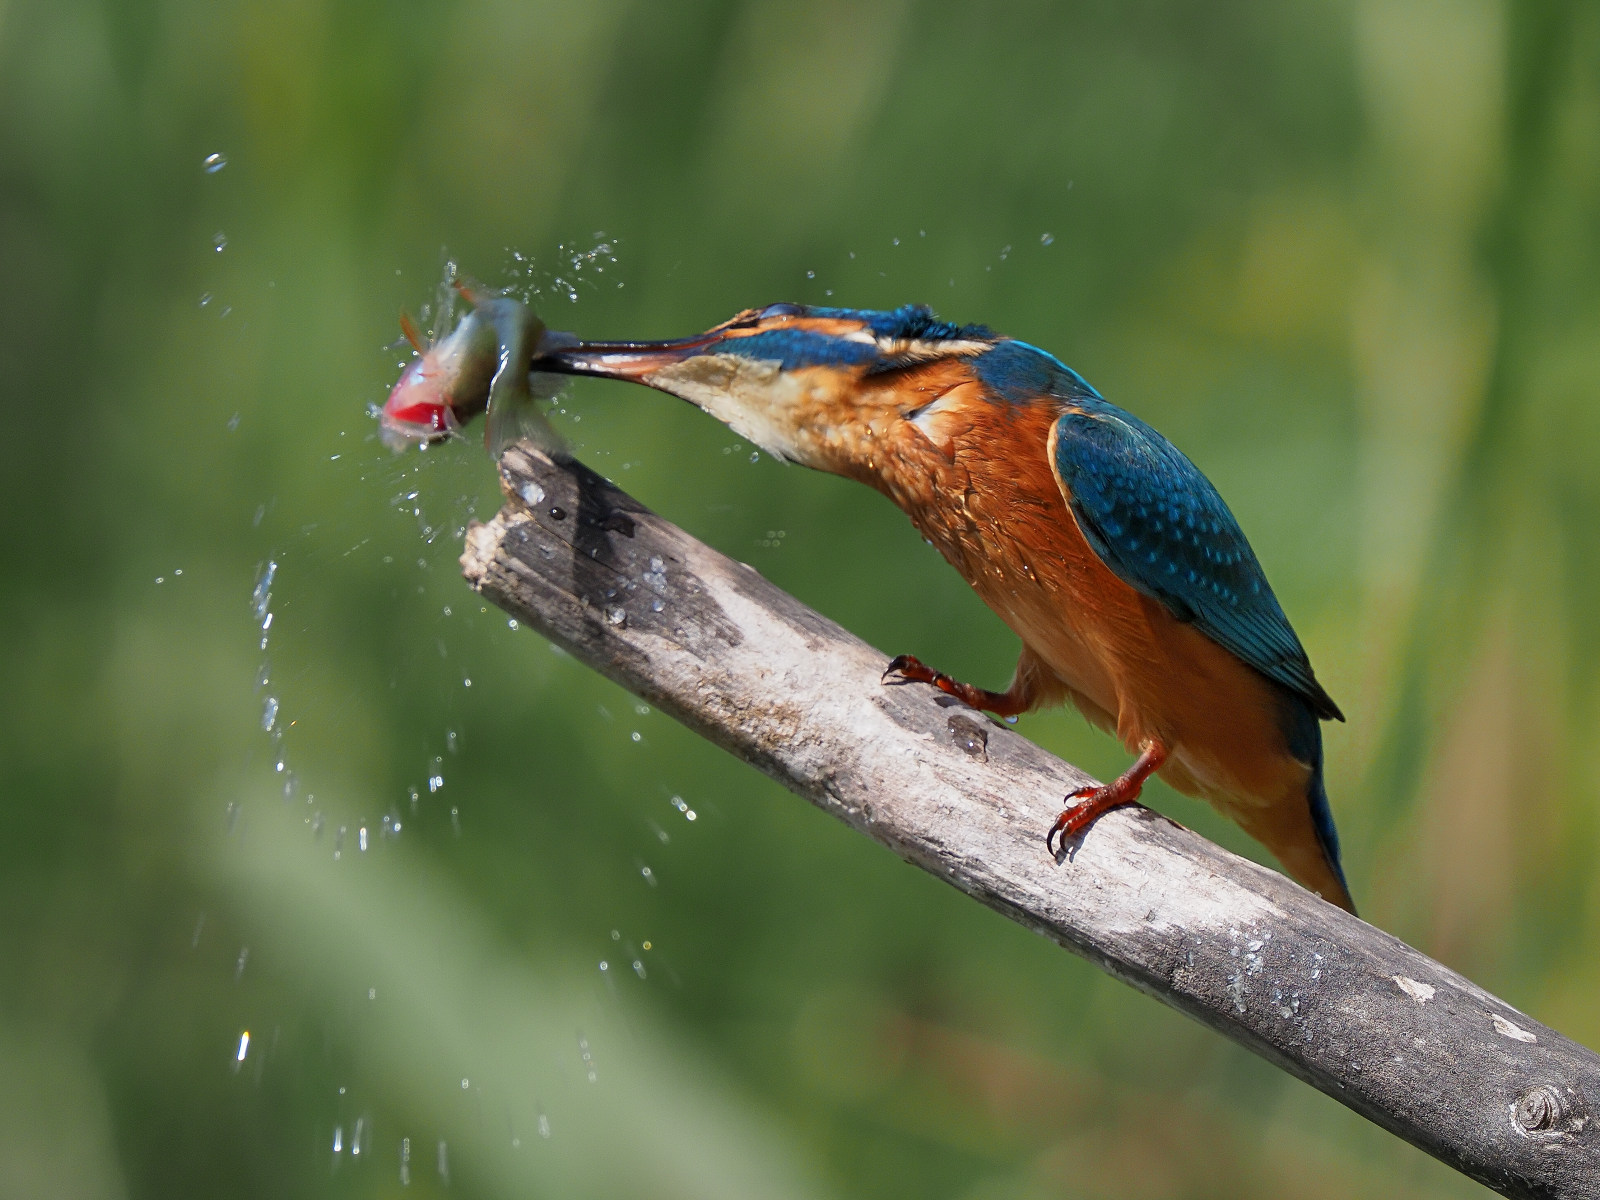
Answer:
[(1094, 801), (912, 669), (1085, 806)]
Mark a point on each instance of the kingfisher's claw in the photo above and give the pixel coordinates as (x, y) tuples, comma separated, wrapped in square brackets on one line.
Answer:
[(907, 666), (1075, 818)]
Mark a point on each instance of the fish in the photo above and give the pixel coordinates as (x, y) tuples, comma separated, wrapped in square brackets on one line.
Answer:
[(481, 366)]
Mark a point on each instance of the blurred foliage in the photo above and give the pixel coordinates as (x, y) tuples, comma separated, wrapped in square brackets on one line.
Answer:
[(1345, 254)]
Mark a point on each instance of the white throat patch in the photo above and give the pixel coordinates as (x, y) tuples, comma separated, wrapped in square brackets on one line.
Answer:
[(753, 397)]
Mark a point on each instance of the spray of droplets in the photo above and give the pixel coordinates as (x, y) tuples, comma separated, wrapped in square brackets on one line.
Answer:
[(261, 612), (574, 269), (440, 518)]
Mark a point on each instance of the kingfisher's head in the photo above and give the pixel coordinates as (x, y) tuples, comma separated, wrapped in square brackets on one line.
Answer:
[(804, 383)]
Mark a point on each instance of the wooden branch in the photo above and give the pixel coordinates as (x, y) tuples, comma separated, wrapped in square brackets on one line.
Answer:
[(1349, 1009)]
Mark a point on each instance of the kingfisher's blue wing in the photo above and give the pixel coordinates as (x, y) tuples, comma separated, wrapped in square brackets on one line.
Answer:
[(1161, 527)]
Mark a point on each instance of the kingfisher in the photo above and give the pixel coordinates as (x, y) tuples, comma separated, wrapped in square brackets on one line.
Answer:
[(1135, 592)]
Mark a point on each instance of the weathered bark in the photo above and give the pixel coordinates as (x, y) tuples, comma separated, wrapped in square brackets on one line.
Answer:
[(1344, 1006)]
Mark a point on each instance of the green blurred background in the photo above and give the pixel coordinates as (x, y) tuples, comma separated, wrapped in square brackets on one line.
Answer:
[(1345, 254)]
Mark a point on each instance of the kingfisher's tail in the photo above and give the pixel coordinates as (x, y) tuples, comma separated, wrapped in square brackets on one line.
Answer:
[(1327, 841), (1298, 829)]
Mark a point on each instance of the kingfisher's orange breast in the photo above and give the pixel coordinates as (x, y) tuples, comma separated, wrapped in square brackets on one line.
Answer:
[(975, 479)]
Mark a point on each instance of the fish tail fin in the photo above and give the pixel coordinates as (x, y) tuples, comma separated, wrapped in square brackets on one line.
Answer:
[(515, 410)]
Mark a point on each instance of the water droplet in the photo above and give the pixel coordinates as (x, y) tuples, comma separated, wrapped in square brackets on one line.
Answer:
[(405, 1162), (512, 623), (205, 299), (656, 577), (238, 967), (637, 736), (269, 713), (361, 837), (544, 1125), (355, 1137), (338, 1137), (212, 163), (649, 875), (444, 1162), (638, 969), (219, 241), (811, 274), (531, 492), (1046, 238), (244, 1046), (262, 595), (588, 1058), (969, 736), (435, 782), (755, 456), (616, 617)]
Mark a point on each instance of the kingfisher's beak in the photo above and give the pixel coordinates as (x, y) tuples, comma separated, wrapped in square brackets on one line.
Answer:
[(633, 361)]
